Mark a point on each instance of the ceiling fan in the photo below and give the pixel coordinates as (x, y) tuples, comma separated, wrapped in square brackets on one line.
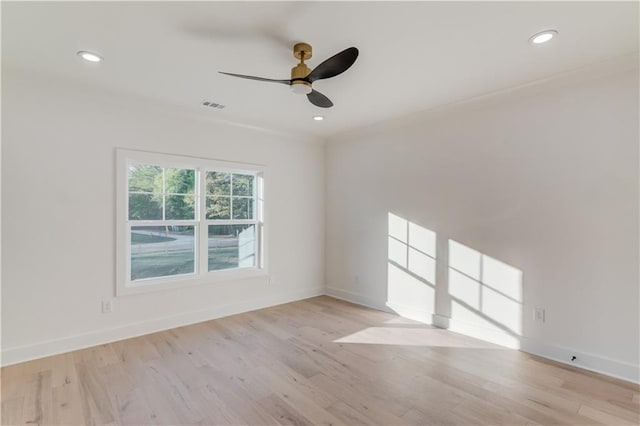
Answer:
[(302, 77)]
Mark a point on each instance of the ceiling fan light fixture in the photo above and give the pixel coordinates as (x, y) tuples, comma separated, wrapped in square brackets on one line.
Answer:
[(300, 88)]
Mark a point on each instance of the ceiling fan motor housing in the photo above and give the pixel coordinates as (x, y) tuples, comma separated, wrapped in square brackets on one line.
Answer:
[(298, 73)]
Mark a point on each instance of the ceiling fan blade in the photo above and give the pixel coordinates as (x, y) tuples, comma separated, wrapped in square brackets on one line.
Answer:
[(250, 77), (337, 64), (319, 100)]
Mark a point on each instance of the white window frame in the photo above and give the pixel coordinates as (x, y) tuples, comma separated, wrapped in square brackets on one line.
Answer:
[(201, 275)]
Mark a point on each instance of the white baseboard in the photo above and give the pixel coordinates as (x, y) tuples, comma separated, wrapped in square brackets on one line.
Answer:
[(80, 341), (587, 361), (584, 360), (356, 298)]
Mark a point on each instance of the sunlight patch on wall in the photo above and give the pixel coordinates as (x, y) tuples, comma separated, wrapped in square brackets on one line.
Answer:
[(464, 288), (485, 293), (409, 291), (411, 268)]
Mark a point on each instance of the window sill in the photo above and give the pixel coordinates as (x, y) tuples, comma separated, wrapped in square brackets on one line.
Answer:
[(179, 282)]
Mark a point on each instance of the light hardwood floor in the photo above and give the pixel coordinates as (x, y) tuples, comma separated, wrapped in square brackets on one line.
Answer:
[(317, 361)]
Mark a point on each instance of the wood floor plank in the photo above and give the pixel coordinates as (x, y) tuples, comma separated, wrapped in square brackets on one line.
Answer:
[(66, 404), (434, 417), (316, 361), (603, 417), (294, 396), (283, 412), (12, 411), (370, 407), (215, 411), (348, 415), (95, 402)]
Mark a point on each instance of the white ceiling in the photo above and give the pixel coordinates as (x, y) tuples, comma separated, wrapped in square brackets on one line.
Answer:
[(413, 55)]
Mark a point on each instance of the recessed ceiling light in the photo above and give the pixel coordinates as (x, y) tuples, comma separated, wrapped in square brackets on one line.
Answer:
[(89, 56), (318, 117), (543, 36)]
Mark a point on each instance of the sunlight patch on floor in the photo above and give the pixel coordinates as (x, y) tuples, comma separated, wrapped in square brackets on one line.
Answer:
[(403, 321), (411, 336)]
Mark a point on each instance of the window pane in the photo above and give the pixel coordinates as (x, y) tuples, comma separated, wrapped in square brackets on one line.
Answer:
[(243, 185), (161, 251), (242, 208), (143, 178), (179, 207), (145, 207), (180, 181), (218, 183), (218, 208), (232, 246)]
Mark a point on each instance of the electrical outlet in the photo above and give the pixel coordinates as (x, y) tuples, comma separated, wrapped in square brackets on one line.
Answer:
[(538, 314), (107, 306)]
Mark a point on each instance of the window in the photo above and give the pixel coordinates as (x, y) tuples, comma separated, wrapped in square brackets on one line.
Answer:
[(185, 219)]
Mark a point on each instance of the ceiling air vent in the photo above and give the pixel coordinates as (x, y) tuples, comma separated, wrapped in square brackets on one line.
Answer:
[(213, 104)]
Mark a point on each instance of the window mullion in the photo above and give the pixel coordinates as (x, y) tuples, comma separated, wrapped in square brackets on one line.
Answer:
[(164, 196), (231, 196), (170, 222), (231, 221), (203, 243), (258, 216), (128, 245)]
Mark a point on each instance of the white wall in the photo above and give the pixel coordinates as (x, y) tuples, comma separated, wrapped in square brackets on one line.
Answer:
[(543, 179), (58, 197)]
